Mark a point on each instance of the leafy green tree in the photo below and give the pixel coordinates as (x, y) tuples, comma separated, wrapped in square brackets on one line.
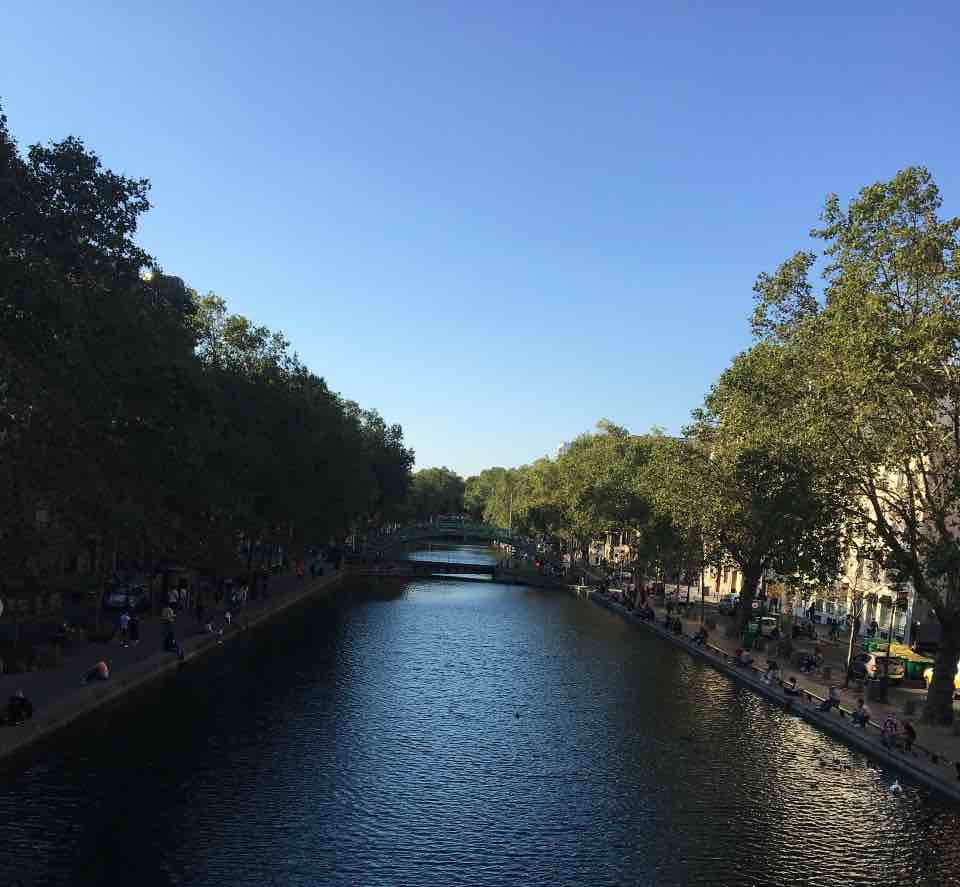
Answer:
[(759, 500), (880, 389), (436, 491), (143, 420)]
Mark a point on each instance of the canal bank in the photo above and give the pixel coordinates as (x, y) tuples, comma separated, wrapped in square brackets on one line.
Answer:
[(929, 769), (74, 701)]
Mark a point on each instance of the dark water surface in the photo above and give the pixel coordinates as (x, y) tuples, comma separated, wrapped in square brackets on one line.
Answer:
[(460, 733)]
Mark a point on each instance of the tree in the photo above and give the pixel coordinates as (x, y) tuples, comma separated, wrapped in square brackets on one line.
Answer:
[(601, 484), (144, 421), (880, 351), (436, 491), (759, 500)]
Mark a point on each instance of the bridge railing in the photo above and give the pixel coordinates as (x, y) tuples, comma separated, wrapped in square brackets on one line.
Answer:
[(418, 532)]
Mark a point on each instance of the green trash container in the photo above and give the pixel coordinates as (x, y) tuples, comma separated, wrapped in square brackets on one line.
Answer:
[(749, 639), (914, 670)]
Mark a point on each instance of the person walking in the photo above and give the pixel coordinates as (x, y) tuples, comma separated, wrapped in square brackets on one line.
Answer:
[(124, 628)]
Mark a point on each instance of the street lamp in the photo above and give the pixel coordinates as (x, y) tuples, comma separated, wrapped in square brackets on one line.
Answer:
[(900, 604)]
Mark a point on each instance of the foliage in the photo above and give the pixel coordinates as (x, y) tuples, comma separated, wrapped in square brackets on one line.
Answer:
[(138, 418), (880, 389), (435, 491)]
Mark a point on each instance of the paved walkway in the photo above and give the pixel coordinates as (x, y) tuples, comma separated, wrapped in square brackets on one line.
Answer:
[(54, 686)]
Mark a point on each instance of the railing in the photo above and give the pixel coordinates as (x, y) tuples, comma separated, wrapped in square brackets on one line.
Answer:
[(418, 532)]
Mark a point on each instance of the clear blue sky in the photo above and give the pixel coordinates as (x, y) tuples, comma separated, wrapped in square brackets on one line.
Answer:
[(496, 222)]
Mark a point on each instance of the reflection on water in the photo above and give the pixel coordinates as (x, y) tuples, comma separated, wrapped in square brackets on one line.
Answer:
[(455, 733), (456, 554)]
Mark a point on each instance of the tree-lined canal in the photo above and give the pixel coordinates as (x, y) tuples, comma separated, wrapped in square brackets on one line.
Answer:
[(460, 733)]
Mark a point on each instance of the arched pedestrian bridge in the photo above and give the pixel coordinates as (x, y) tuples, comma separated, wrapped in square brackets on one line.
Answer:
[(449, 530), (385, 554)]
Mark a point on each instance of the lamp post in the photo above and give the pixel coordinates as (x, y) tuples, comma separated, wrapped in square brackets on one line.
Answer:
[(899, 604)]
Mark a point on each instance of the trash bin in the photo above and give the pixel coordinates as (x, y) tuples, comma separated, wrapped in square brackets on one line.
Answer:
[(749, 638), (876, 691)]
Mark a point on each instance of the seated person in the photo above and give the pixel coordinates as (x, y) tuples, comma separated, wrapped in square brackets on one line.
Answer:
[(19, 708), (677, 626), (171, 645), (773, 667), (833, 699), (890, 731), (701, 636), (791, 688), (100, 672), (861, 715), (910, 737), (745, 659)]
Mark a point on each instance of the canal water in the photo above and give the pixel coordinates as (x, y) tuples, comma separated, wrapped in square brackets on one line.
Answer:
[(459, 733)]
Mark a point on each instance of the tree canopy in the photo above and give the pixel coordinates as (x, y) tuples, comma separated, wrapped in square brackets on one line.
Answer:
[(143, 418)]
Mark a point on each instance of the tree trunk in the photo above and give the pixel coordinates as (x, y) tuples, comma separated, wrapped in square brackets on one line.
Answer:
[(854, 634), (744, 611), (938, 709)]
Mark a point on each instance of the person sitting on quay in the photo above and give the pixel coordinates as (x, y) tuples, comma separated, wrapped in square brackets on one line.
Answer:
[(677, 626), (832, 700), (790, 687), (701, 637), (909, 737), (134, 628), (100, 672), (171, 644), (890, 731), (773, 669), (861, 715), (743, 658), (19, 708)]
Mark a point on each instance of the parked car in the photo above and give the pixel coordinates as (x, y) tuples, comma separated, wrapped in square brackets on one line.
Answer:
[(728, 603), (928, 679), (876, 662), (135, 598)]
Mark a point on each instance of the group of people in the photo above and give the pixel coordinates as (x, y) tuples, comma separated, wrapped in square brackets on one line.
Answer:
[(811, 661), (894, 733)]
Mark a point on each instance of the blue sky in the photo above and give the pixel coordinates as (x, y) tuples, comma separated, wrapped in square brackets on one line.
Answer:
[(496, 222)]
